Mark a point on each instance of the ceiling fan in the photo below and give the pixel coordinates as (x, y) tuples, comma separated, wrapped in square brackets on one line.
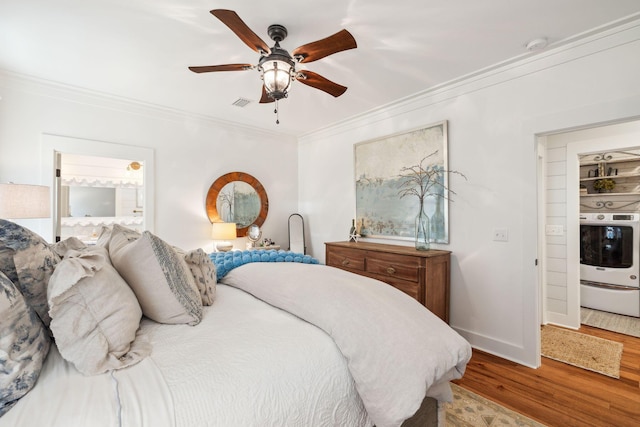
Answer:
[(276, 66)]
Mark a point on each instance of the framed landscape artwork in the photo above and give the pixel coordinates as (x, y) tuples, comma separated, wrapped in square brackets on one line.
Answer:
[(379, 168)]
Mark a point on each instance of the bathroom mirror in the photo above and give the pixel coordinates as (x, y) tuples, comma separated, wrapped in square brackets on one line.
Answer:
[(88, 201), (237, 197)]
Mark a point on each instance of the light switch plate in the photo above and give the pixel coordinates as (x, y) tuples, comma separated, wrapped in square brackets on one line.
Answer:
[(500, 235), (554, 230)]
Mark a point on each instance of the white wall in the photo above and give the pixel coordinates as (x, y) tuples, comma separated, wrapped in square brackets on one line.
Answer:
[(494, 118), (189, 154)]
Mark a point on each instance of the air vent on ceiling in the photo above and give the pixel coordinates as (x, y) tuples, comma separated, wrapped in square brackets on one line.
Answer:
[(241, 102)]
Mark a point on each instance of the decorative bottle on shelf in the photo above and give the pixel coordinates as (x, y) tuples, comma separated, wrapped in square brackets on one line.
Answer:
[(352, 231), (601, 168)]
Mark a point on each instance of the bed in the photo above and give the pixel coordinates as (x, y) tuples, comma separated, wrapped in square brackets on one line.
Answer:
[(269, 344)]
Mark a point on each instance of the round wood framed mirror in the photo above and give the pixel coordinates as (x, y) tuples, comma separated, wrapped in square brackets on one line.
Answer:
[(237, 197)]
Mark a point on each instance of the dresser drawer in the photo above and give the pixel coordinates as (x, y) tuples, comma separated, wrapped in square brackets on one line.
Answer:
[(410, 288), (346, 258), (393, 266)]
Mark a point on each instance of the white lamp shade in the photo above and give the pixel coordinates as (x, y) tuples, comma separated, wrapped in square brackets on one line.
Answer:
[(24, 201), (223, 231)]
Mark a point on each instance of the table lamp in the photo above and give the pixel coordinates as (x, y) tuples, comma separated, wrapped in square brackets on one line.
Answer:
[(18, 201), (223, 232)]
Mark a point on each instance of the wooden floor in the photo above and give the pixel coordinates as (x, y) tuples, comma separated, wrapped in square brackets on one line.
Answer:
[(561, 395)]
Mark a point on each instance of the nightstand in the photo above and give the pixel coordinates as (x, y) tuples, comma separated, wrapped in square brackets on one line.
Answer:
[(264, 248)]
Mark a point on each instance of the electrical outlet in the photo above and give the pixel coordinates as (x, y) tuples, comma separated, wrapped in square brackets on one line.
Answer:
[(500, 235), (554, 230)]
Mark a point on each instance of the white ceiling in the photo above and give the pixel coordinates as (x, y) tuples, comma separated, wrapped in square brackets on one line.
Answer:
[(140, 49)]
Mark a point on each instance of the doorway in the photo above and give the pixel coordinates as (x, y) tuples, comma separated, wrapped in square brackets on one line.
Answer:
[(94, 191), (560, 221), (54, 146)]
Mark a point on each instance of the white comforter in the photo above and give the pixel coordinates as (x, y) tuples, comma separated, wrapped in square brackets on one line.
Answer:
[(245, 364), (397, 351)]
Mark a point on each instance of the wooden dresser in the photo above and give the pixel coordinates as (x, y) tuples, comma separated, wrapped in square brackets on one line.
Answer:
[(424, 275)]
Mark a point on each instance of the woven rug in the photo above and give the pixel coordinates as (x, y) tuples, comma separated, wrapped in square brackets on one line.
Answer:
[(470, 410), (611, 322), (584, 351)]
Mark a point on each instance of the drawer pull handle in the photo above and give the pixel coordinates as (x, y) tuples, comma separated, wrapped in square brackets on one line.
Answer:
[(391, 270), (345, 262)]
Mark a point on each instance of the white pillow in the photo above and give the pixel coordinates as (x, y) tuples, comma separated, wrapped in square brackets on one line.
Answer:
[(104, 237), (159, 277), (94, 313)]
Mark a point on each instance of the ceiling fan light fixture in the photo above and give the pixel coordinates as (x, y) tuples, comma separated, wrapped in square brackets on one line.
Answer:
[(277, 76), (276, 66)]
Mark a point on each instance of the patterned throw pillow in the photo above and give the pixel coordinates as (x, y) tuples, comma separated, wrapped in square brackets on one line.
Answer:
[(24, 344), (94, 313), (204, 273), (28, 261), (158, 275)]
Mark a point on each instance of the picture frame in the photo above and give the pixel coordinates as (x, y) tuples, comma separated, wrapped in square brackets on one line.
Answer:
[(378, 165)]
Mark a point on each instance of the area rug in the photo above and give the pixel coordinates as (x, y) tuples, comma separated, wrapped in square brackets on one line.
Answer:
[(611, 322), (584, 351), (470, 410)]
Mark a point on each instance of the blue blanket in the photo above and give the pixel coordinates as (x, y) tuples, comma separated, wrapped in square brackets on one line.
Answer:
[(227, 261)]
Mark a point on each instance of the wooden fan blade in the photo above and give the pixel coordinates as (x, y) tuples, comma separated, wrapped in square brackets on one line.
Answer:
[(225, 67), (317, 81), (237, 25), (265, 98), (342, 40)]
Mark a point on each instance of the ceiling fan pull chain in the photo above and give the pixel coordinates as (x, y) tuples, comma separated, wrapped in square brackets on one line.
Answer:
[(276, 112)]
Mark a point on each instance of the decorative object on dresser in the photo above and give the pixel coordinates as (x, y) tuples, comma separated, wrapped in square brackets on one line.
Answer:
[(423, 182), (253, 235), (353, 235), (237, 197), (424, 275)]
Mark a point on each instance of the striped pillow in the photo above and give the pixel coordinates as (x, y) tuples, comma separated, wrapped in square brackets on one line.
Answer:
[(159, 277)]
